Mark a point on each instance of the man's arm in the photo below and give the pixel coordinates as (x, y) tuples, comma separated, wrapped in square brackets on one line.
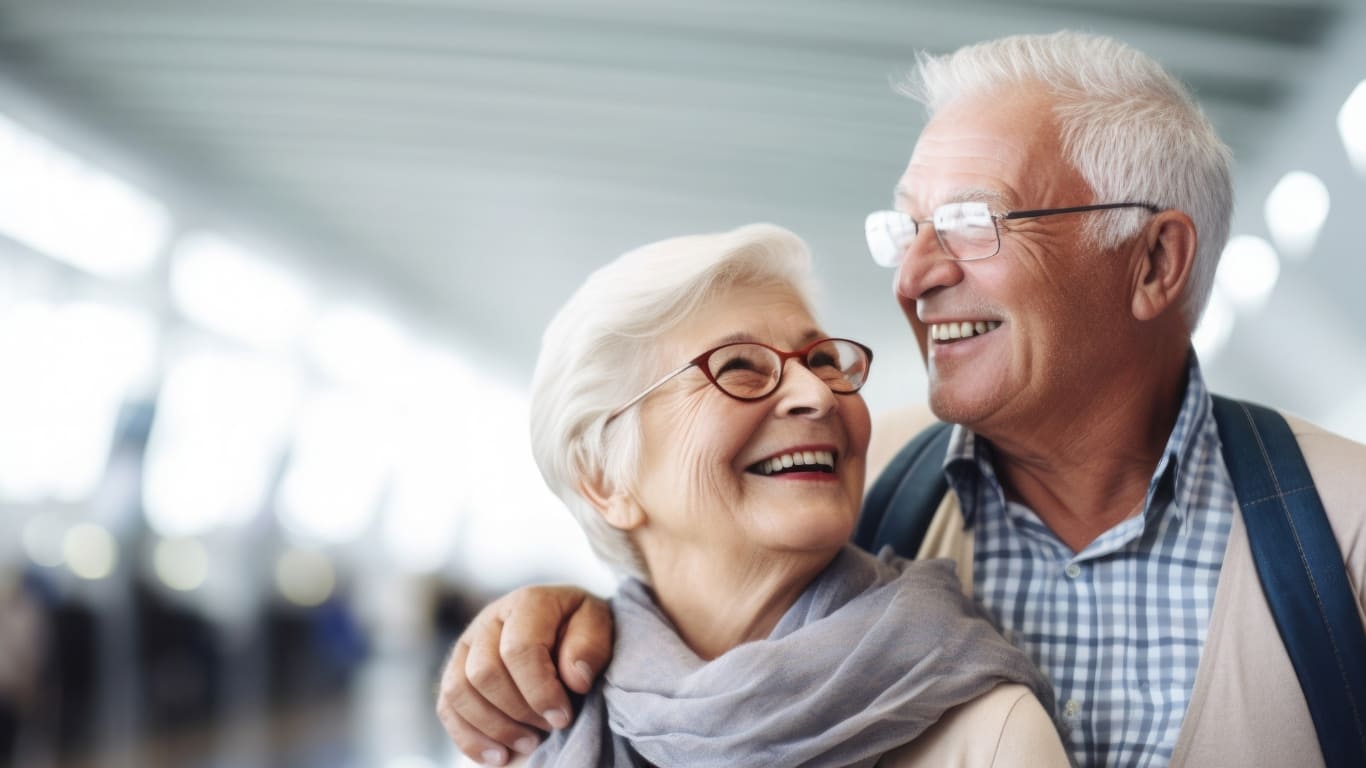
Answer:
[(502, 682)]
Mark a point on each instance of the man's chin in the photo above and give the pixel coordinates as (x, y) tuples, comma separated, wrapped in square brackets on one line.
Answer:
[(954, 410)]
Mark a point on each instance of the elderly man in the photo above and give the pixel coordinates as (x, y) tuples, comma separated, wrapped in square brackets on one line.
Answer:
[(1055, 237)]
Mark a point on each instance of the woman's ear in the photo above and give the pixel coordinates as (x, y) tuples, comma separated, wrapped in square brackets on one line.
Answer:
[(616, 505), (1165, 265)]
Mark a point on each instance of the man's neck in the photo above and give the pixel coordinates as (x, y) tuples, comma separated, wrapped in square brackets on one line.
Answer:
[(1084, 470), (719, 602)]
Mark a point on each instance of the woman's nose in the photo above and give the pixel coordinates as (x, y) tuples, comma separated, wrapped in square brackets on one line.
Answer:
[(802, 392)]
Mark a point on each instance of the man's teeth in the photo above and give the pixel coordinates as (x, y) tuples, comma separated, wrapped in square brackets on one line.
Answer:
[(816, 460), (963, 330)]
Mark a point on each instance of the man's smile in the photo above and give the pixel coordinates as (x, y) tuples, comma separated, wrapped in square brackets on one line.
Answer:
[(965, 329)]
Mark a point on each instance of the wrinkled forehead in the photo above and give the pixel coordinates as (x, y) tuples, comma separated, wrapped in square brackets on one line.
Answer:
[(1003, 148), (774, 314)]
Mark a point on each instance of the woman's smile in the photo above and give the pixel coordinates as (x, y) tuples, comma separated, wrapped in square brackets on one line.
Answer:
[(803, 462)]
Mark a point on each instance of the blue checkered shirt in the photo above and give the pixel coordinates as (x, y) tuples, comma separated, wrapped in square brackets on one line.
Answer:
[(1117, 627)]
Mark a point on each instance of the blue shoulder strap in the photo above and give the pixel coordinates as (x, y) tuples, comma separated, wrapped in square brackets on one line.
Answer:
[(913, 484), (1302, 573)]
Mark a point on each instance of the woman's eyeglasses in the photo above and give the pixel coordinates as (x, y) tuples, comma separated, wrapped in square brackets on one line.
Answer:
[(748, 370)]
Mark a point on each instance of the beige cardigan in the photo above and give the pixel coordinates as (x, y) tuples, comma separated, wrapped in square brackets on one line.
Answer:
[(1246, 708), (1003, 728)]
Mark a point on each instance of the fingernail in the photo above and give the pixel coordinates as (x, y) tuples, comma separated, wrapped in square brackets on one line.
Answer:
[(526, 745), (585, 671), (494, 756), (557, 718)]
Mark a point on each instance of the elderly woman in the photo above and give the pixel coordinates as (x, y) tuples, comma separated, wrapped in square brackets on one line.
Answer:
[(710, 439)]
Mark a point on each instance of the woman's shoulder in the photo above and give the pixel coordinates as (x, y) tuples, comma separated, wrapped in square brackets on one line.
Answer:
[(1003, 728)]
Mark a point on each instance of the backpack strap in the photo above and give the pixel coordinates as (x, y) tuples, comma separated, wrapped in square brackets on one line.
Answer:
[(1302, 573), (899, 507)]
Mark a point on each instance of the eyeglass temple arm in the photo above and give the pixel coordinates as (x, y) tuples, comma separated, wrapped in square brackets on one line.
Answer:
[(662, 381), (1078, 209)]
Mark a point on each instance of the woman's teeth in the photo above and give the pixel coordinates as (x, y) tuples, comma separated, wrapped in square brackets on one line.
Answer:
[(963, 330), (803, 461)]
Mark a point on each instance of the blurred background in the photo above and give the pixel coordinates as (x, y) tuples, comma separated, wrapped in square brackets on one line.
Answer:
[(272, 277)]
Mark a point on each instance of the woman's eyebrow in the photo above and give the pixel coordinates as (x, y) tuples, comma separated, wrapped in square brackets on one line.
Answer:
[(745, 337), (734, 338)]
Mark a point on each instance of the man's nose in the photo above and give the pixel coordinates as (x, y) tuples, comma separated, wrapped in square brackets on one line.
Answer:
[(925, 266)]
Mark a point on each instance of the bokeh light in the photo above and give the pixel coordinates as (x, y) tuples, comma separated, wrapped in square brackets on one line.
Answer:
[(1248, 271), (304, 577), (181, 564), (1352, 126), (1295, 211), (90, 551)]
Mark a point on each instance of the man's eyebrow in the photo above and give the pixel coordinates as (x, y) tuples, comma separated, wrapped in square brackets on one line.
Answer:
[(979, 195), (902, 194)]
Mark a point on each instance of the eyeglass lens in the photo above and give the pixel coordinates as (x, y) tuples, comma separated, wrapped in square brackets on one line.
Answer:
[(965, 231), (750, 371)]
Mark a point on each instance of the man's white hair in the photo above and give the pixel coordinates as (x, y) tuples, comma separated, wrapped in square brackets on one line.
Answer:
[(599, 351), (1129, 128)]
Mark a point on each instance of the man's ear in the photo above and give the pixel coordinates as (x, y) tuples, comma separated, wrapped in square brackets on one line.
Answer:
[(1164, 266), (616, 505)]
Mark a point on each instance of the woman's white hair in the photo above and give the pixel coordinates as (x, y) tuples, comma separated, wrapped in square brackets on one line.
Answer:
[(1128, 127), (599, 351)]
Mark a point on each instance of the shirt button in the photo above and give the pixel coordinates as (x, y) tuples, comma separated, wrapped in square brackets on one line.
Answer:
[(1072, 570), (1071, 708)]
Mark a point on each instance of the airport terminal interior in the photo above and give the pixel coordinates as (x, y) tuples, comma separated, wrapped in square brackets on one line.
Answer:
[(273, 277)]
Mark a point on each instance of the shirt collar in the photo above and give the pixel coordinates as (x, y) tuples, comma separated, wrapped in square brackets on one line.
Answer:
[(967, 463)]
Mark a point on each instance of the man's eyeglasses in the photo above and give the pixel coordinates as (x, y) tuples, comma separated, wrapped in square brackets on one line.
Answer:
[(966, 231), (752, 371)]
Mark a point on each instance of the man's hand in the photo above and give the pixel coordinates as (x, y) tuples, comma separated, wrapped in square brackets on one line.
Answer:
[(502, 682)]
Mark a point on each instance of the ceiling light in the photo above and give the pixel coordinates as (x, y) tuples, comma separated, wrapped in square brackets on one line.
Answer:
[(61, 206), (424, 509), (356, 344), (222, 286), (69, 368), (221, 427), (1295, 212), (1352, 126), (338, 466), (1248, 271)]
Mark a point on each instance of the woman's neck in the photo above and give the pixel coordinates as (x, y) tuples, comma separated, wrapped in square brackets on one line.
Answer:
[(719, 602)]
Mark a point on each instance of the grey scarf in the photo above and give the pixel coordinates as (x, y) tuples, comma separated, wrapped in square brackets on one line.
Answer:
[(871, 654)]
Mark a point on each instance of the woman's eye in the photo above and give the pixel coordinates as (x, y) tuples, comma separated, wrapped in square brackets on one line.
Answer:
[(737, 364)]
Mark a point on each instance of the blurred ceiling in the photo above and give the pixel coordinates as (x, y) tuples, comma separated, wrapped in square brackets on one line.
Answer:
[(473, 160)]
